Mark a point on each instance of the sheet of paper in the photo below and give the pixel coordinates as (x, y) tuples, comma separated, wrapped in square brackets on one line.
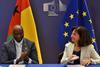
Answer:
[(75, 66), (16, 65)]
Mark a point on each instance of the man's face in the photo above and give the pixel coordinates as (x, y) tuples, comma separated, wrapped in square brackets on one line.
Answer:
[(18, 34)]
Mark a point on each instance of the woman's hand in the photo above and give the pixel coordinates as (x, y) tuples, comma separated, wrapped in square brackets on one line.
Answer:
[(73, 57), (85, 61)]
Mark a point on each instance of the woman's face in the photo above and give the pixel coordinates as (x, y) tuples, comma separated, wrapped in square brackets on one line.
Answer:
[(75, 36)]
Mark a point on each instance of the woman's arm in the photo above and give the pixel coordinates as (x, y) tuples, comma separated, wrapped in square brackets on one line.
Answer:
[(95, 58)]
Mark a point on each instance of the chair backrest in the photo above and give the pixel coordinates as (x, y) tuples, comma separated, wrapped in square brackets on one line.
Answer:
[(60, 57)]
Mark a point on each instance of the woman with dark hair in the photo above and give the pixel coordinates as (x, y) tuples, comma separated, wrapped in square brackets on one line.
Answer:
[(80, 50)]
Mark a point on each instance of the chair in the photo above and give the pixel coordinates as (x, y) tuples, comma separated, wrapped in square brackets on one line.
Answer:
[(60, 57)]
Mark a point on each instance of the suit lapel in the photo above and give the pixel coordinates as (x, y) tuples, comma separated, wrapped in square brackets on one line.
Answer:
[(13, 45), (24, 45)]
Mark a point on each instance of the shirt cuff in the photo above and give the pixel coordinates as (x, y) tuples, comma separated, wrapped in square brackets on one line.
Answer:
[(64, 61), (15, 61), (30, 60), (92, 61), (21, 62)]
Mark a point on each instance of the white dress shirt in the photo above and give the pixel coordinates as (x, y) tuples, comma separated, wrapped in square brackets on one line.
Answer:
[(19, 51)]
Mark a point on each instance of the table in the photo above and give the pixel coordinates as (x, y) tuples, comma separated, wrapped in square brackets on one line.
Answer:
[(47, 65)]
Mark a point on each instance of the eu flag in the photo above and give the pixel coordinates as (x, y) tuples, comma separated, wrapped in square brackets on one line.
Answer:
[(77, 14)]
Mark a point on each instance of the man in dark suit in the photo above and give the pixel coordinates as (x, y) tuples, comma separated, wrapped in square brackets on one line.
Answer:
[(19, 50)]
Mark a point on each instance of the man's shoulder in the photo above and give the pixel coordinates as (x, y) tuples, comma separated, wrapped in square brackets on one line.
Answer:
[(8, 43), (28, 41)]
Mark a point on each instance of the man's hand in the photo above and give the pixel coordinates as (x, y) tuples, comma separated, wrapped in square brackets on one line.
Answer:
[(23, 56)]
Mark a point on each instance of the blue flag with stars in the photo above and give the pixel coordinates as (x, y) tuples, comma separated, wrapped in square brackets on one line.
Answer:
[(77, 14)]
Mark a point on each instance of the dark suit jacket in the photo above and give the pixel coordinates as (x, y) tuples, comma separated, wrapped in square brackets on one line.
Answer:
[(8, 52)]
